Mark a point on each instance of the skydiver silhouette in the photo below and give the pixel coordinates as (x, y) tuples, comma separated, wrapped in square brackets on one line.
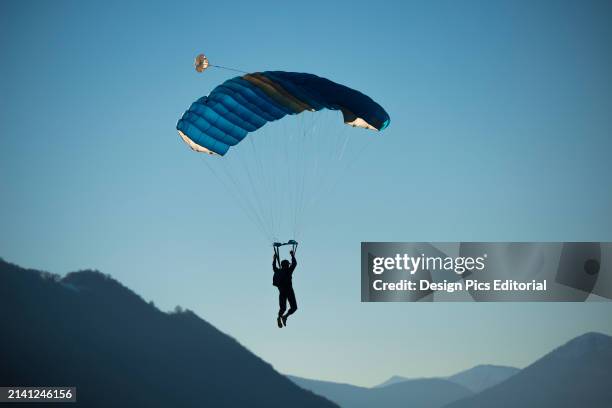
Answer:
[(282, 280)]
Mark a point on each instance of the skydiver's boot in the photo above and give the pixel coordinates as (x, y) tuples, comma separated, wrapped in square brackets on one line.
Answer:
[(279, 321), (284, 319)]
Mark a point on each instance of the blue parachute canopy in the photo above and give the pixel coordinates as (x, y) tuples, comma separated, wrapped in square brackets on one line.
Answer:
[(246, 103)]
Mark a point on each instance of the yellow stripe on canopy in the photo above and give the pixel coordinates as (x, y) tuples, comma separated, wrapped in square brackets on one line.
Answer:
[(277, 92)]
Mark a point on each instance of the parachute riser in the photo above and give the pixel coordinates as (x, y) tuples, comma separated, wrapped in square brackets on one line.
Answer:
[(291, 242)]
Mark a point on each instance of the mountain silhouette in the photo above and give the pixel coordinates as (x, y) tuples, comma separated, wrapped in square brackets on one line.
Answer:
[(419, 393), (392, 380), (89, 331), (476, 379), (483, 376), (577, 374)]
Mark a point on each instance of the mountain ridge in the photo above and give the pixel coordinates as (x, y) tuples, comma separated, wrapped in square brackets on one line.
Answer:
[(88, 330), (476, 378), (418, 393), (575, 374)]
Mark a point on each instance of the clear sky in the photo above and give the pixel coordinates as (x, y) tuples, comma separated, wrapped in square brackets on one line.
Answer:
[(501, 130)]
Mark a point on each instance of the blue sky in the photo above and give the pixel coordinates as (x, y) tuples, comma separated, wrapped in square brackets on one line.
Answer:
[(501, 121)]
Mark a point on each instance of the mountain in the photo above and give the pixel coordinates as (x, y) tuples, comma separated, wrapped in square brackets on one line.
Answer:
[(89, 331), (392, 380), (475, 379), (577, 374), (421, 393), (484, 376)]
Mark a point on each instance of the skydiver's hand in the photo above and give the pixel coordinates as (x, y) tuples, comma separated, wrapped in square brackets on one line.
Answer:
[(292, 253)]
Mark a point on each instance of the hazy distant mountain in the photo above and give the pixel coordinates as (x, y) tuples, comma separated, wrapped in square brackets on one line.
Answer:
[(89, 331), (484, 376), (577, 374), (421, 393), (392, 380), (475, 379)]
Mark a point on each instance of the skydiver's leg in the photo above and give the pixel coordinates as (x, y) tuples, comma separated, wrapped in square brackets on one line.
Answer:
[(292, 302), (282, 306), (292, 305), (282, 301)]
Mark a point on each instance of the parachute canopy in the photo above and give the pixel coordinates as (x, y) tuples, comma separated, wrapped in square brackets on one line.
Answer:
[(246, 103)]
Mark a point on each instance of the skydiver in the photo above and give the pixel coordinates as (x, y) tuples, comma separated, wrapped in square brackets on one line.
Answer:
[(282, 280)]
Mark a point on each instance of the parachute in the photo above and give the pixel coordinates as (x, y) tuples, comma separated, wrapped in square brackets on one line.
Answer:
[(237, 109), (244, 104)]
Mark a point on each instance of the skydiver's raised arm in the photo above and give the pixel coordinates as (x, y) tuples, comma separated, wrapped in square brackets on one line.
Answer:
[(274, 262), (293, 261)]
